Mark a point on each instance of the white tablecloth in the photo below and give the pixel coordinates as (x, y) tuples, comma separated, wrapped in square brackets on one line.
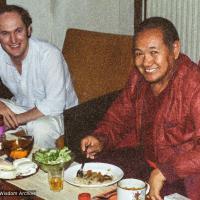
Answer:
[(39, 183)]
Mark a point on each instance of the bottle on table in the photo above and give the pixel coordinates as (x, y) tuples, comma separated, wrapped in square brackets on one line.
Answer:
[(2, 132)]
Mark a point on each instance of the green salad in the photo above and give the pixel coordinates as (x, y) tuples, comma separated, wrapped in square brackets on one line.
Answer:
[(53, 156)]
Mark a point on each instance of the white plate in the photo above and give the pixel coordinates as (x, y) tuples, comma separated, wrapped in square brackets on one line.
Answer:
[(104, 168), (22, 175), (23, 170)]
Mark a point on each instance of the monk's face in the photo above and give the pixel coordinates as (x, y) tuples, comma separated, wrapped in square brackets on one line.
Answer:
[(153, 58)]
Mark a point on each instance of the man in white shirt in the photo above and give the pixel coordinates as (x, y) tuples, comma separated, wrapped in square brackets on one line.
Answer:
[(38, 77)]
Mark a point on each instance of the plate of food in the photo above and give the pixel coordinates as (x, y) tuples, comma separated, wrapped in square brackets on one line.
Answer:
[(95, 174), (20, 168)]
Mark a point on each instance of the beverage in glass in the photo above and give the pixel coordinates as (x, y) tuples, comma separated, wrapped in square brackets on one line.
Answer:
[(55, 177)]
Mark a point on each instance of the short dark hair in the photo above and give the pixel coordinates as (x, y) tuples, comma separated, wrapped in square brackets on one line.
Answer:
[(170, 34), (26, 18)]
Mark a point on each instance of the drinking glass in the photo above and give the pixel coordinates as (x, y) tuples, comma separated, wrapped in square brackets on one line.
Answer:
[(55, 177)]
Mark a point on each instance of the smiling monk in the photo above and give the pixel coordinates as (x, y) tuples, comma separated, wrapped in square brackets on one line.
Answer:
[(159, 109)]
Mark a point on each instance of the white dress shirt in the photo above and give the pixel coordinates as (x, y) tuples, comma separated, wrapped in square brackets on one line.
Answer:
[(44, 82)]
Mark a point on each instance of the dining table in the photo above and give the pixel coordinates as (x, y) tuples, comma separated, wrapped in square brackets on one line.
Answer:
[(36, 186)]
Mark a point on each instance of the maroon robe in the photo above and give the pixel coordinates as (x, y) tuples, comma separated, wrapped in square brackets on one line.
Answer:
[(175, 129)]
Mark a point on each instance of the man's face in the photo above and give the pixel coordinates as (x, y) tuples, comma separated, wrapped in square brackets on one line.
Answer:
[(14, 35), (153, 58)]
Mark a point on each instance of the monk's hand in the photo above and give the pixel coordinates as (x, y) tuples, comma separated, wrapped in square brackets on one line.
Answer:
[(90, 145), (156, 182)]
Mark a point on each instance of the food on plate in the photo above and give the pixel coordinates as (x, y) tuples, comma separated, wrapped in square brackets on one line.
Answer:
[(19, 168), (8, 174), (53, 156), (7, 170), (93, 177), (5, 165)]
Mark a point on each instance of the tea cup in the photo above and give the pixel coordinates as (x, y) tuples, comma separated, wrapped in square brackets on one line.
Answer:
[(132, 189)]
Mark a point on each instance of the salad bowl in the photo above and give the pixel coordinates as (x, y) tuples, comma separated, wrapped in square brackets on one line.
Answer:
[(53, 159)]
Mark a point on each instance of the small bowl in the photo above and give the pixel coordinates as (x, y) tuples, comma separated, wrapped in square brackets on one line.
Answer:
[(19, 147), (49, 167)]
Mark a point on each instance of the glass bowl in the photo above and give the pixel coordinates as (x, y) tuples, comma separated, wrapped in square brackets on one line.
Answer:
[(19, 147), (52, 166)]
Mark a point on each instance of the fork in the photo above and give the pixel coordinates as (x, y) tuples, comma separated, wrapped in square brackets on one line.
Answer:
[(80, 171)]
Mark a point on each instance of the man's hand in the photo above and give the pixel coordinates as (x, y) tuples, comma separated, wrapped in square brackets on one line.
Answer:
[(156, 182), (91, 145), (9, 116)]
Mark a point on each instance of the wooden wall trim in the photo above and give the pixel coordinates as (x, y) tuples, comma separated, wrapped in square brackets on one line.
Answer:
[(138, 8), (2, 2)]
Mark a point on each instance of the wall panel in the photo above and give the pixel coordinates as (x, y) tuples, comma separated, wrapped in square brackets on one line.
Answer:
[(51, 18), (185, 14)]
